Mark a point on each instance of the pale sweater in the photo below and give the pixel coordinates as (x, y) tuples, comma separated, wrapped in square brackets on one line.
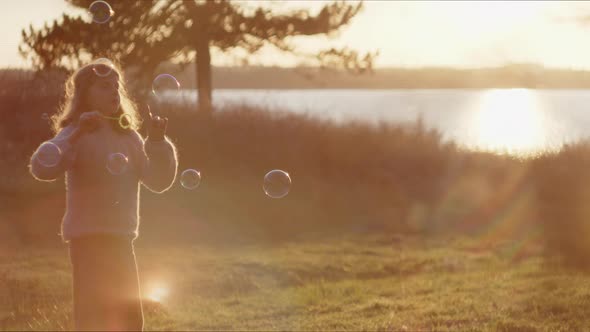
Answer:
[(96, 200)]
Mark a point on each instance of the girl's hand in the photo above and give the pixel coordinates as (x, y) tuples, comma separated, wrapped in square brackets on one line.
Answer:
[(89, 121), (157, 128)]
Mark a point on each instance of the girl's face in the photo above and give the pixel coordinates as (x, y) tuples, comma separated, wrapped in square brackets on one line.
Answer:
[(103, 95)]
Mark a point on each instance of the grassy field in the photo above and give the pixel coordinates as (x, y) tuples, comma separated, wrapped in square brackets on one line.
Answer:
[(363, 282)]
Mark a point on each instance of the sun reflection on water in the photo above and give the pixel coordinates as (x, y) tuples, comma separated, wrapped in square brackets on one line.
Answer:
[(509, 121)]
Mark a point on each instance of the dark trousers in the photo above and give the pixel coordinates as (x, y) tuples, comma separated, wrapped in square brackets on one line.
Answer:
[(106, 284)]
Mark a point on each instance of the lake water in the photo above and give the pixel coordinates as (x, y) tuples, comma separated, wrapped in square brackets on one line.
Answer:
[(510, 120)]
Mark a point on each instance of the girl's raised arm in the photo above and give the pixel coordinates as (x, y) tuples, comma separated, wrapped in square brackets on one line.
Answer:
[(160, 164)]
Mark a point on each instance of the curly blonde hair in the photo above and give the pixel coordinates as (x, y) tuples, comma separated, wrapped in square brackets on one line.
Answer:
[(76, 89)]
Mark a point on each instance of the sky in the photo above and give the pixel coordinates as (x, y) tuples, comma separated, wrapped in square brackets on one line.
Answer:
[(464, 34)]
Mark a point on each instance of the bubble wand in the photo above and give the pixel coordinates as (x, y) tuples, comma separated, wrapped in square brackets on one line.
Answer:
[(124, 120)]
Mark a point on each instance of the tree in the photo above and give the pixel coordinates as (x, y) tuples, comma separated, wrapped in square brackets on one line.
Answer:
[(144, 33)]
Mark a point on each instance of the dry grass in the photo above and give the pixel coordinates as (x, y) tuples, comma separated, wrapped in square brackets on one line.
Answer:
[(346, 283)]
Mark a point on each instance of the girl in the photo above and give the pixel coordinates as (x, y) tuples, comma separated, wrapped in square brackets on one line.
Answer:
[(104, 159)]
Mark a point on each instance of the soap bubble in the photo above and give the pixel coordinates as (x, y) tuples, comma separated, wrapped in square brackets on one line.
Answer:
[(117, 163), (190, 179), (165, 84), (48, 154), (100, 11), (277, 183), (45, 116), (102, 67)]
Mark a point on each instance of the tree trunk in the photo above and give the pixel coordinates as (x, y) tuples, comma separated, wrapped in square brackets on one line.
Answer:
[(203, 74), (200, 14)]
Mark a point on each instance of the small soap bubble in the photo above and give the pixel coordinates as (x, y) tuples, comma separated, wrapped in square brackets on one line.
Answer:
[(48, 154), (102, 67), (117, 163), (165, 85), (277, 183), (100, 11), (190, 179)]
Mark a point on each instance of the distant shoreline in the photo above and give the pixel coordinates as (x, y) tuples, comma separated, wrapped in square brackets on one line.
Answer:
[(514, 76), (521, 76)]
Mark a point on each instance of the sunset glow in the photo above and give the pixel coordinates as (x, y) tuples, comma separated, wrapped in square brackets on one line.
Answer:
[(157, 292)]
